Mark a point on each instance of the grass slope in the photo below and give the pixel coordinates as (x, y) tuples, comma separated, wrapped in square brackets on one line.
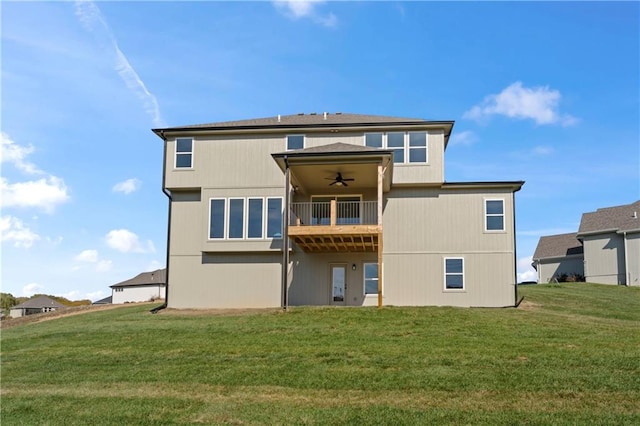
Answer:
[(569, 355)]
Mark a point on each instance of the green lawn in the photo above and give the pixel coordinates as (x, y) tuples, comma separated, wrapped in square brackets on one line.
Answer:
[(570, 354)]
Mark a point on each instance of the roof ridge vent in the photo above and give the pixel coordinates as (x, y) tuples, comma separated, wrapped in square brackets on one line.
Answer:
[(325, 115), (301, 113), (313, 113)]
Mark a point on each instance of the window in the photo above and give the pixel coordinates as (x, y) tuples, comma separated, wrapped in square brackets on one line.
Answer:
[(454, 273), (236, 217), (370, 278), (216, 216), (254, 219), (274, 218), (373, 140), (417, 147), (407, 147), (244, 218), (184, 153), (295, 142), (494, 215)]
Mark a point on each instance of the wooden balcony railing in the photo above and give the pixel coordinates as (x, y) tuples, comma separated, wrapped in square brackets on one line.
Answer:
[(334, 213)]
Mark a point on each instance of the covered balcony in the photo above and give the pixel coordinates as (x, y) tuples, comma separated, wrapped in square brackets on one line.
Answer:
[(335, 226)]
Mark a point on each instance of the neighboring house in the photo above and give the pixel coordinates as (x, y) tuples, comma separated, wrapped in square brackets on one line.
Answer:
[(611, 240), (606, 248), (369, 217), (556, 255), (141, 288), (35, 305)]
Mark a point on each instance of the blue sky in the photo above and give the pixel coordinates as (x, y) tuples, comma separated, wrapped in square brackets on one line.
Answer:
[(542, 92)]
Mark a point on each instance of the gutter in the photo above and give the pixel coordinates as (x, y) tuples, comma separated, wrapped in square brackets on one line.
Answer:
[(168, 194)]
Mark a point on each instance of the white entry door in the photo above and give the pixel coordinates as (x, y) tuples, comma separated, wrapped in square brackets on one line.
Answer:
[(338, 284)]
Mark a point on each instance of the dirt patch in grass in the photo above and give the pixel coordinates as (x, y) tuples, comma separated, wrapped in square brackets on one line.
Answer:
[(67, 312)]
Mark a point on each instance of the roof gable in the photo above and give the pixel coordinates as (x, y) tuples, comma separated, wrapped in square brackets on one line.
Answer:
[(159, 276), (39, 302), (618, 218), (558, 246)]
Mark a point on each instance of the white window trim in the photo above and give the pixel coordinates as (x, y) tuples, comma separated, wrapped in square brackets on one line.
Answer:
[(406, 144), (444, 275), (263, 218), (504, 216), (224, 216), (176, 153), (364, 280), (304, 141)]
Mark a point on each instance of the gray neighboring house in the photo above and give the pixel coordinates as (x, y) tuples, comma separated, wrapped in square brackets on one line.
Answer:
[(106, 301), (143, 287), (35, 305), (611, 240), (294, 209), (606, 248), (558, 254)]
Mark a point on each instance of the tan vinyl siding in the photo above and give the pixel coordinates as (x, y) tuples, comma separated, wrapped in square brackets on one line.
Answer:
[(436, 221), (225, 281), (633, 259), (604, 258)]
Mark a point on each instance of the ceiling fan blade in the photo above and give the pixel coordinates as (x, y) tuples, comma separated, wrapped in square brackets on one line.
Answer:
[(333, 183), (329, 178), (348, 180), (344, 183)]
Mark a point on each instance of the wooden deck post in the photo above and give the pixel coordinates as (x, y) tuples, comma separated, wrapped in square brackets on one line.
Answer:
[(380, 177)]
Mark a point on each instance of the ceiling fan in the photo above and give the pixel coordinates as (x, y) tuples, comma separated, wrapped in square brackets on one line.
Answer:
[(339, 180)]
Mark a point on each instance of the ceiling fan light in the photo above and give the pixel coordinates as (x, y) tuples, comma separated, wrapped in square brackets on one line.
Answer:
[(338, 183)]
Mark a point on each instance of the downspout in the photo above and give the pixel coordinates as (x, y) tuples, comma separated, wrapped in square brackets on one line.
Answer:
[(168, 194), (285, 235), (516, 302)]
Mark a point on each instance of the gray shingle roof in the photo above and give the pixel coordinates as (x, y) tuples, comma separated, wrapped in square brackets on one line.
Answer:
[(307, 120), (38, 303), (618, 218), (558, 246), (159, 276)]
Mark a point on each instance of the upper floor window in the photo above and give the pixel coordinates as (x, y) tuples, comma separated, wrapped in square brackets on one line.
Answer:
[(454, 273), (407, 148), (295, 142), (494, 215), (184, 153)]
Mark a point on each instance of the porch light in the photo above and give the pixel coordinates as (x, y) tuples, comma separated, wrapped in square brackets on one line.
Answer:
[(353, 267)]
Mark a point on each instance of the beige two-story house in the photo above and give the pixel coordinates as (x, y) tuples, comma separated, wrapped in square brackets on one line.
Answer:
[(331, 209)]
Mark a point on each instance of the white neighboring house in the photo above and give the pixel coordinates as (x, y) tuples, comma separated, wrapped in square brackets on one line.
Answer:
[(143, 287)]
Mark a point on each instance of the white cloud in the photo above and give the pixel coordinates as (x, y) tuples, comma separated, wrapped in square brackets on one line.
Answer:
[(103, 266), (31, 289), (127, 242), (525, 270), (45, 193), (13, 230), (153, 265), (538, 103), (296, 9), (465, 138), (542, 150), (92, 19), (90, 256), (11, 152), (128, 186)]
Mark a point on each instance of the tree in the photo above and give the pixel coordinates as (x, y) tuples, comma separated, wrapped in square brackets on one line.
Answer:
[(7, 301)]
